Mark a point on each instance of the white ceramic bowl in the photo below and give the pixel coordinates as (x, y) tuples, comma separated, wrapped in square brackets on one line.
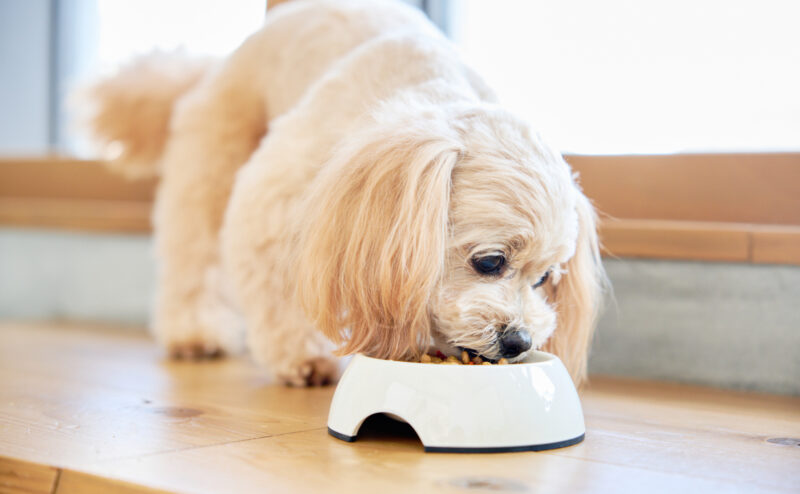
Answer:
[(529, 406)]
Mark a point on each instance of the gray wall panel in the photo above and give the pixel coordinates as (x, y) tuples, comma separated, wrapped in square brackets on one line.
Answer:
[(726, 325), (722, 324)]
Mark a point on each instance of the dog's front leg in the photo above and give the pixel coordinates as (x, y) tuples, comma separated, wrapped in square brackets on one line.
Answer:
[(257, 246)]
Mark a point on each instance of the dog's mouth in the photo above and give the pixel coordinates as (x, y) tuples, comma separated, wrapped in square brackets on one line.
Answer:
[(472, 354), (487, 353)]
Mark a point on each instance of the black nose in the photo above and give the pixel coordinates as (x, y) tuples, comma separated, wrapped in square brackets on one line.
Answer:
[(513, 342)]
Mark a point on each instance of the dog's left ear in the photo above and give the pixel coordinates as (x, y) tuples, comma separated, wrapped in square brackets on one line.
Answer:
[(372, 249), (578, 296)]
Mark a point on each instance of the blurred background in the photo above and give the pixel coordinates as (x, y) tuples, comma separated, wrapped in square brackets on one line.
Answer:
[(682, 117)]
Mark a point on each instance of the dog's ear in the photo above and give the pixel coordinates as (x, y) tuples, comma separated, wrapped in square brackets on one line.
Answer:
[(372, 249), (577, 296)]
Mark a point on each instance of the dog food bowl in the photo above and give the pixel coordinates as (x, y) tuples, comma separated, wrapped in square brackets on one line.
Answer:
[(529, 406)]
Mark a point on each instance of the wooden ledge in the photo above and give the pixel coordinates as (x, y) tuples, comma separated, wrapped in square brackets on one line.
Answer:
[(54, 177), (694, 222), (757, 188), (72, 194), (98, 215), (702, 241)]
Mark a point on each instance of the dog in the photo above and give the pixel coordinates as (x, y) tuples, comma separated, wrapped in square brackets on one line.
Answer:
[(343, 182)]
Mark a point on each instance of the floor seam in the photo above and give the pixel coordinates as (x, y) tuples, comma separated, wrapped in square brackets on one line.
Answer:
[(56, 480)]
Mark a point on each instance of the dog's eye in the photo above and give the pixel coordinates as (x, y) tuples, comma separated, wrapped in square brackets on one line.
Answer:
[(542, 280), (489, 264)]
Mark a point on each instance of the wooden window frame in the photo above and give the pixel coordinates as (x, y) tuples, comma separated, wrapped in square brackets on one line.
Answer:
[(709, 207), (741, 207)]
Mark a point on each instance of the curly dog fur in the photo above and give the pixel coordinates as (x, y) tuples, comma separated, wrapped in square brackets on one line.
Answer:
[(344, 179)]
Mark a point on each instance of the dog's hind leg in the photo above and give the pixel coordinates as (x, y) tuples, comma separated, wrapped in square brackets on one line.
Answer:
[(214, 130)]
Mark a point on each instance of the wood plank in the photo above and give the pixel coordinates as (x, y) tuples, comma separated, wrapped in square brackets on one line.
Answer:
[(675, 240), (639, 190), (65, 391), (694, 431), (776, 246), (22, 477), (621, 238), (638, 440), (76, 214), (71, 482), (64, 178), (741, 188), (59, 410), (397, 464), (693, 240)]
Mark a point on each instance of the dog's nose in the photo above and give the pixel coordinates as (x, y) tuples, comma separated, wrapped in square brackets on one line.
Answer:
[(513, 342)]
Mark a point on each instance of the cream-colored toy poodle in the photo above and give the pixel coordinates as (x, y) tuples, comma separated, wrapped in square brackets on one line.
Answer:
[(344, 180)]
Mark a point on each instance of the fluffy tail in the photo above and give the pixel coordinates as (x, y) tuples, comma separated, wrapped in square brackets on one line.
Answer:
[(127, 114)]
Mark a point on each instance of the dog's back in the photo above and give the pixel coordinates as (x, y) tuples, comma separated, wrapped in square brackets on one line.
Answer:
[(299, 42)]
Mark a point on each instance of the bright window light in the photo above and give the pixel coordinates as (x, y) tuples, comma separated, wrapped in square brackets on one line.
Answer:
[(203, 27), (101, 35), (626, 76)]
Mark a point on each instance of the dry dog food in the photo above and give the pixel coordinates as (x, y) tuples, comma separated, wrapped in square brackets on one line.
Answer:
[(440, 358)]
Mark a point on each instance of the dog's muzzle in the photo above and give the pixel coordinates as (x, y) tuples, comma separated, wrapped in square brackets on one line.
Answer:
[(514, 342)]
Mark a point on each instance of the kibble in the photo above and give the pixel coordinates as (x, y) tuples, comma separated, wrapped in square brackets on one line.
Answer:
[(440, 358)]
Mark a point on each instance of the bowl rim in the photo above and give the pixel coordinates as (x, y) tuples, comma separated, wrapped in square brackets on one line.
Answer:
[(541, 358)]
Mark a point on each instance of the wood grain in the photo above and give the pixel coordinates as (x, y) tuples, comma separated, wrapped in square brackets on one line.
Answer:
[(77, 407), (703, 241), (87, 215), (738, 188), (104, 408), (668, 207), (72, 194), (71, 482), (676, 240), (65, 178), (22, 477), (776, 245)]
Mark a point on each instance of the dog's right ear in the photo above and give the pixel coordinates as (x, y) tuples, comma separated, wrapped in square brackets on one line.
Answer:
[(373, 246)]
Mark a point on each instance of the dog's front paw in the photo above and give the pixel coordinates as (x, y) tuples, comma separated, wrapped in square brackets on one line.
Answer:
[(315, 371), (194, 350)]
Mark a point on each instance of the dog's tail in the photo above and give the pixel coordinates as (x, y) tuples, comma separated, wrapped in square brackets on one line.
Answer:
[(127, 115)]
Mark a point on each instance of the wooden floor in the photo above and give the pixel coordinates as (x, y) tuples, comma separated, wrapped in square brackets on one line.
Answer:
[(91, 410)]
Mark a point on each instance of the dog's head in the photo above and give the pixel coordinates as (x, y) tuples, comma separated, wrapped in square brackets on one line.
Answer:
[(451, 226)]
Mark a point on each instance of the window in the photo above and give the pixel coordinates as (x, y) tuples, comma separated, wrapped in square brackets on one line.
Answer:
[(623, 76), (50, 46)]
